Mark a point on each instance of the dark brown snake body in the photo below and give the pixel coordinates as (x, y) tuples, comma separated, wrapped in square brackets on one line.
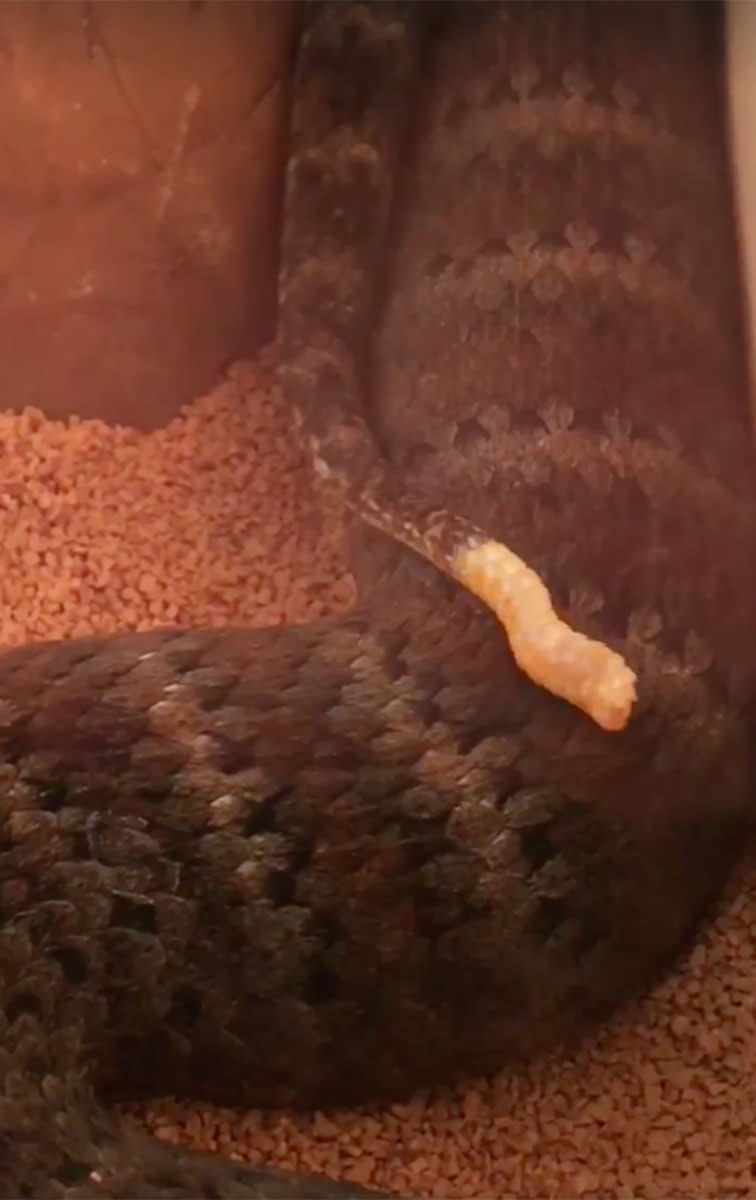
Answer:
[(338, 862)]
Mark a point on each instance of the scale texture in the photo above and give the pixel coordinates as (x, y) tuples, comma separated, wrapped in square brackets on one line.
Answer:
[(335, 863)]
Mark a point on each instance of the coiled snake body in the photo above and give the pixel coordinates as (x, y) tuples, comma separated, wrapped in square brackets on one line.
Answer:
[(239, 863)]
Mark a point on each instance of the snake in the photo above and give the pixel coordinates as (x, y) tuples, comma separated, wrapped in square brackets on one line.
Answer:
[(337, 862)]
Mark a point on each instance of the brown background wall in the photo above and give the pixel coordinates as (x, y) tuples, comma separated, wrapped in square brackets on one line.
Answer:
[(139, 190)]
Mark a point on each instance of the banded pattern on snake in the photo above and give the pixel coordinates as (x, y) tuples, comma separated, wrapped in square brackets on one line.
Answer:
[(236, 863)]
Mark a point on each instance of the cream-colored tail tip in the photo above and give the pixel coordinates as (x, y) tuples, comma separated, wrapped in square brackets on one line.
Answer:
[(611, 699), (587, 673)]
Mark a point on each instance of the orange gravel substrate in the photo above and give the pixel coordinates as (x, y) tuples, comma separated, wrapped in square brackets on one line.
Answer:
[(213, 521)]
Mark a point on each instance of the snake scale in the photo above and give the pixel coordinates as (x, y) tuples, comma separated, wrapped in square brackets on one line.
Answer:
[(336, 862)]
